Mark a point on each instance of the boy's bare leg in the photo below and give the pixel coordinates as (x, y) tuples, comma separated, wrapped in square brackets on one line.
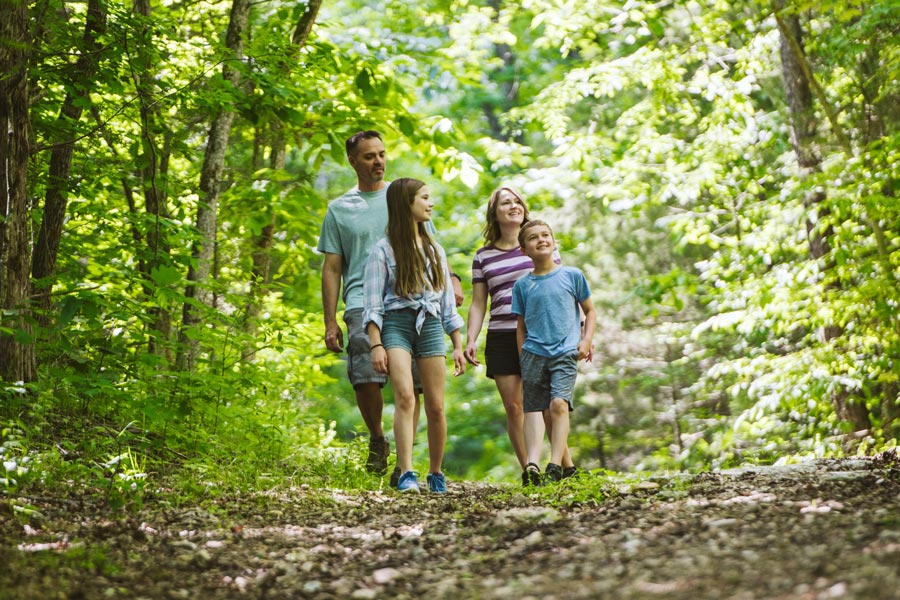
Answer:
[(534, 436), (559, 438)]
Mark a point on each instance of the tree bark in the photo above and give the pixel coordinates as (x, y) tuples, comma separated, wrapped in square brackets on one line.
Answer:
[(46, 250), (799, 88), (213, 165), (155, 250), (262, 244), (17, 356)]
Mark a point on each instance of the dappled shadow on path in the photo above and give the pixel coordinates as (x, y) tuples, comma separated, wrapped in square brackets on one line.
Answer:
[(825, 529)]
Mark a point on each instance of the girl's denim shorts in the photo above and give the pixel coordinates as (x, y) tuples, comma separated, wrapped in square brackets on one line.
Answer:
[(398, 330)]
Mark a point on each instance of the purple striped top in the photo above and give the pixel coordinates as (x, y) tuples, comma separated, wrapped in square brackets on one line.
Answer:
[(499, 270)]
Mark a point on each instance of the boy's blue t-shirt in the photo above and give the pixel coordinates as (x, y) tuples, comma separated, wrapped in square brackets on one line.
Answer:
[(549, 303)]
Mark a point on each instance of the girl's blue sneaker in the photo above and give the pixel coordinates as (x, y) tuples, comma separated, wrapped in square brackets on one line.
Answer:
[(436, 483), (408, 482)]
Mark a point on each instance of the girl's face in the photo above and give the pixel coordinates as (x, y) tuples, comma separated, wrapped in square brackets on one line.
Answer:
[(422, 205), (509, 208)]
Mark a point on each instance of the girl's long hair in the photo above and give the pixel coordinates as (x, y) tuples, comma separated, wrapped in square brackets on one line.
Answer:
[(413, 272), (491, 231)]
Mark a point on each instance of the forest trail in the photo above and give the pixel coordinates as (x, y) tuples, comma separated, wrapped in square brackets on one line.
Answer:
[(818, 530)]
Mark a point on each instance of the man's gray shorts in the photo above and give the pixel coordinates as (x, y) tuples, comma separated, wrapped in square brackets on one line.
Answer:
[(359, 354), (545, 378)]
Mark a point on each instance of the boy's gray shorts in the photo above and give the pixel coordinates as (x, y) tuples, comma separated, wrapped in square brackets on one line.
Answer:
[(545, 378)]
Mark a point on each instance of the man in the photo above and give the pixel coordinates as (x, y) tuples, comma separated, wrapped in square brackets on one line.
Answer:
[(352, 225)]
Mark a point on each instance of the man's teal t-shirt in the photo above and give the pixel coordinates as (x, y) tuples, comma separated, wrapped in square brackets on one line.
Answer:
[(352, 225)]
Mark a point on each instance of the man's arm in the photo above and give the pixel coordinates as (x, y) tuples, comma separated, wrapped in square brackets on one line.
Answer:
[(331, 286)]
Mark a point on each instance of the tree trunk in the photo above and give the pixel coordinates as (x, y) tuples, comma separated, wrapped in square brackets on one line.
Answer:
[(800, 104), (262, 244), (17, 357), (46, 250), (155, 251), (210, 175)]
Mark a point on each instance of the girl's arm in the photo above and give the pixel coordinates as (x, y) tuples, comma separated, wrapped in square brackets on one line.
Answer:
[(373, 312), (379, 354), (477, 310), (459, 363)]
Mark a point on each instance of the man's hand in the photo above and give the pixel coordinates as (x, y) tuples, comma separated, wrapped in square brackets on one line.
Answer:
[(334, 337)]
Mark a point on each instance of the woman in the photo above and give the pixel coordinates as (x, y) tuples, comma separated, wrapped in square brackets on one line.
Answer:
[(495, 268), (409, 303)]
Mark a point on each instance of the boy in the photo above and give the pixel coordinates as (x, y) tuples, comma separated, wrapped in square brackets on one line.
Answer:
[(551, 342)]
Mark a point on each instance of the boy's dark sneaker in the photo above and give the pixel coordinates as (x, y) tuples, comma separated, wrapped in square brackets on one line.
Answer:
[(437, 484), (395, 477), (531, 476), (553, 472), (379, 450), (572, 471)]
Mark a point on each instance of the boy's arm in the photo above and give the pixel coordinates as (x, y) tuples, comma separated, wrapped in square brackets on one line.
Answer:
[(586, 345), (459, 361), (520, 332)]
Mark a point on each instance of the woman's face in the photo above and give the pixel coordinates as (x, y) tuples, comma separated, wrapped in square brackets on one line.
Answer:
[(422, 205), (509, 208)]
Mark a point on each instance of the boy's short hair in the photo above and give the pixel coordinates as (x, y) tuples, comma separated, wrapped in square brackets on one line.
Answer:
[(354, 140), (528, 225)]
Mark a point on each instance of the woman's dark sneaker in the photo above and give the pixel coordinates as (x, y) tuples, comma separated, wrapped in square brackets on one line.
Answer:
[(531, 476), (572, 471), (553, 472)]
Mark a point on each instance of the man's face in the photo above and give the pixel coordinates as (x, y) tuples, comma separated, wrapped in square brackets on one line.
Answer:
[(369, 161)]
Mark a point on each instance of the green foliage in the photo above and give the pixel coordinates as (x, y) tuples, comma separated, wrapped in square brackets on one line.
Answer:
[(655, 138)]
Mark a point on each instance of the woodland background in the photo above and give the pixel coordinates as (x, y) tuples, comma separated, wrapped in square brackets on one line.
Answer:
[(724, 172)]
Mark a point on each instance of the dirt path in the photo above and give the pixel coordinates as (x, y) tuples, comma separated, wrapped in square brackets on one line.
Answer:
[(819, 530)]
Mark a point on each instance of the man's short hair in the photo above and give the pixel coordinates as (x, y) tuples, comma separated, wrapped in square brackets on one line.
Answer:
[(354, 140)]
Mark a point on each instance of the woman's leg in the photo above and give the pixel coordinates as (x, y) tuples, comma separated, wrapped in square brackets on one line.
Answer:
[(400, 372), (433, 372), (510, 388)]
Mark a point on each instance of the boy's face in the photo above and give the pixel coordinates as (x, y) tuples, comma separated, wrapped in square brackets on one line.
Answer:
[(538, 242)]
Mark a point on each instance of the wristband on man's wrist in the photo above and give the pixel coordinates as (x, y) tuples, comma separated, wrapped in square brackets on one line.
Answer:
[(372, 347)]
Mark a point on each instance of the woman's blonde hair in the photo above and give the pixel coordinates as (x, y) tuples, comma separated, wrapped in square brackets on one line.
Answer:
[(415, 268), (491, 231)]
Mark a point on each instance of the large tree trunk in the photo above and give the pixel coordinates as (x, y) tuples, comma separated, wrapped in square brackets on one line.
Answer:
[(46, 249), (798, 85), (210, 175), (17, 357)]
